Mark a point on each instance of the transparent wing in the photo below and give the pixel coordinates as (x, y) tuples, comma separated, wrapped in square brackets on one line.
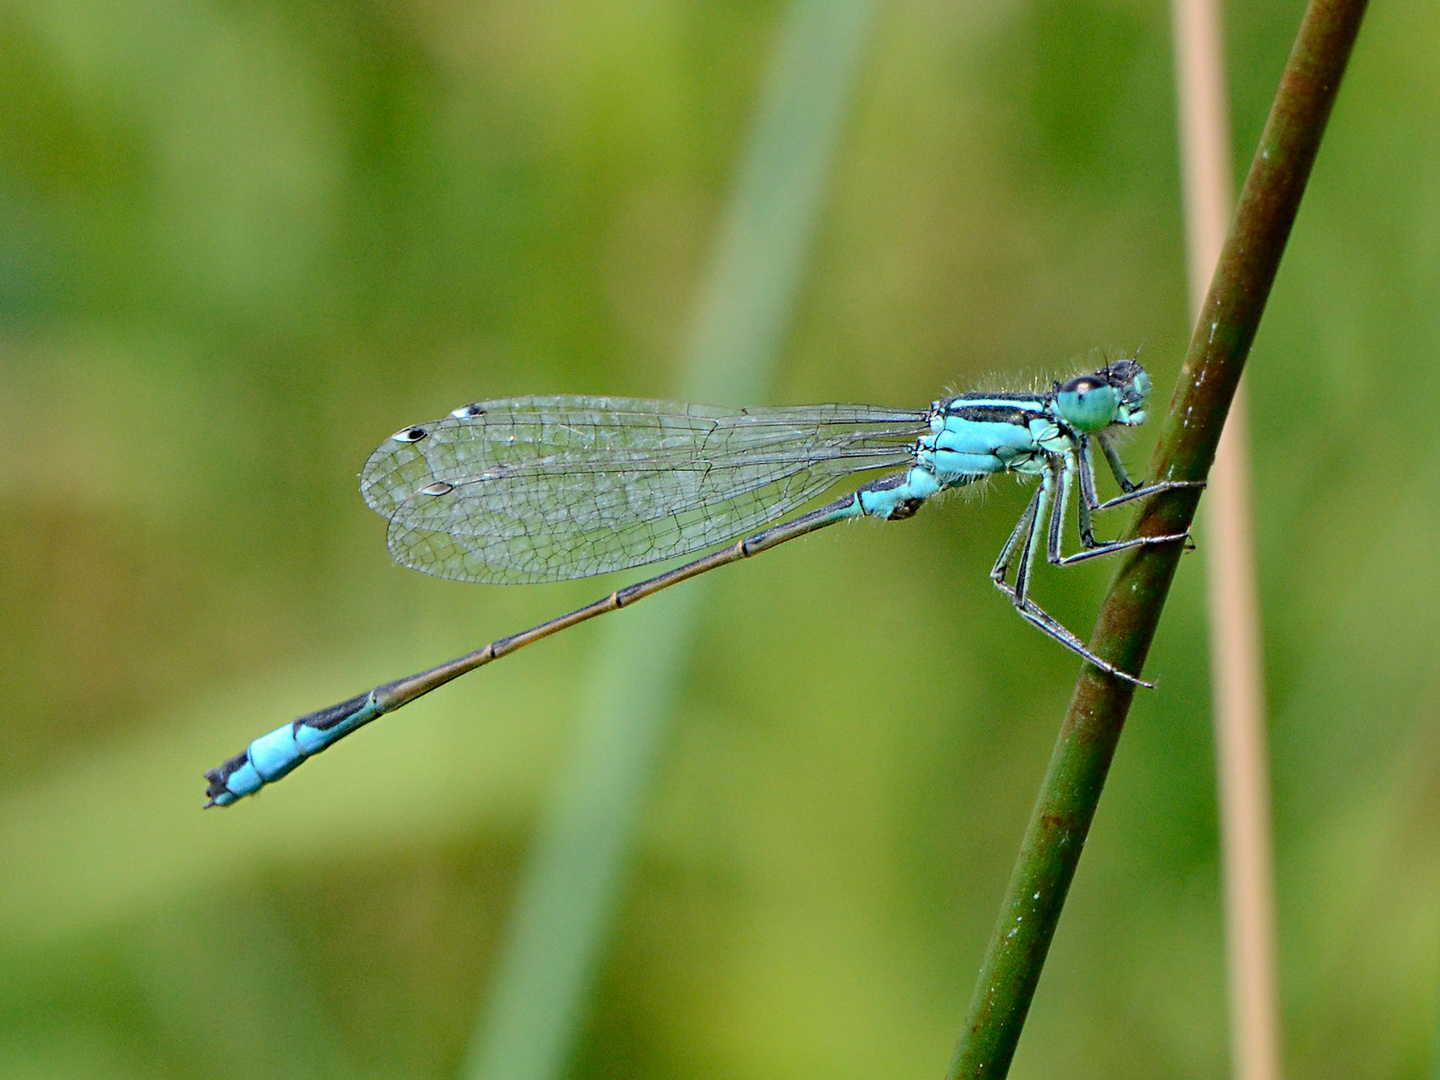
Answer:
[(550, 488)]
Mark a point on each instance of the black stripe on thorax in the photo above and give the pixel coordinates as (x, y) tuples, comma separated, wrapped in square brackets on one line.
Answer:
[(994, 412)]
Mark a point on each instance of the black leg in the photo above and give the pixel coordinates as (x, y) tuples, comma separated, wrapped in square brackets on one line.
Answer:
[(1017, 534), (1062, 478), (1088, 496), (1148, 490), (1043, 507), (1129, 489), (1047, 625), (1117, 467), (1090, 504), (1119, 545), (1045, 513), (1080, 465)]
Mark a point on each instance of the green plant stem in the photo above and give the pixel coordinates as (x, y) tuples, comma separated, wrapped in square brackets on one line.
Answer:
[(1239, 290)]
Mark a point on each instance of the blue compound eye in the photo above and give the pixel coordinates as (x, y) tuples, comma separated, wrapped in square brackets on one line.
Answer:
[(1087, 404)]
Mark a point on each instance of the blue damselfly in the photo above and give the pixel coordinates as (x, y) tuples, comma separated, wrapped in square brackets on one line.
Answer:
[(552, 488)]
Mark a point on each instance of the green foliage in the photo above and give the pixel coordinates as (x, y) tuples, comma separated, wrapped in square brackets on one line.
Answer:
[(240, 244)]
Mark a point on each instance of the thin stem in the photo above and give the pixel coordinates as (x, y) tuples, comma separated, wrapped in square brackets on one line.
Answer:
[(1236, 659), (1242, 760), (1088, 736)]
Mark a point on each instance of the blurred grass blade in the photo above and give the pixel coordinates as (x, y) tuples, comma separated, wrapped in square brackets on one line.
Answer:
[(1236, 660), (569, 889), (1090, 732)]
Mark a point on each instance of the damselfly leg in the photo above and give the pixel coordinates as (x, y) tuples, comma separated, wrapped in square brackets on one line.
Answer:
[(1047, 511)]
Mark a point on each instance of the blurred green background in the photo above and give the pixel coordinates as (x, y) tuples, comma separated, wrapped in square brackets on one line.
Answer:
[(241, 243)]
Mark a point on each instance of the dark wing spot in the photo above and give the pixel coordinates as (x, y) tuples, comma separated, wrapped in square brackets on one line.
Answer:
[(465, 412), (410, 434)]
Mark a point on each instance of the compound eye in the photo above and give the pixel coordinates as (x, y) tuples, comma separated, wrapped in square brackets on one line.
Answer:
[(1087, 404)]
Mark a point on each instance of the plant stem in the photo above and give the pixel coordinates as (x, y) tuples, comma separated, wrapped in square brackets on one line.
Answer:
[(1239, 290), (1237, 661)]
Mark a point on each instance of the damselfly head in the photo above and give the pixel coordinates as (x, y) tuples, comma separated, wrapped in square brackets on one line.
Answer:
[(1115, 394), (1132, 383)]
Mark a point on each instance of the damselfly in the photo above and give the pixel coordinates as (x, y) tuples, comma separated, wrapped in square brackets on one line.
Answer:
[(552, 488)]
